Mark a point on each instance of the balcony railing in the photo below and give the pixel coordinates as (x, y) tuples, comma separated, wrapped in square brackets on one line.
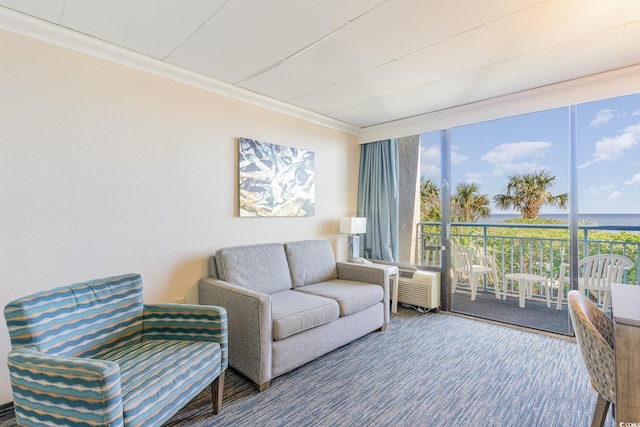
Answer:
[(531, 248)]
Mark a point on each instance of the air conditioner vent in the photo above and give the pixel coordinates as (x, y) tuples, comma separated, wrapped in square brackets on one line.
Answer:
[(418, 288)]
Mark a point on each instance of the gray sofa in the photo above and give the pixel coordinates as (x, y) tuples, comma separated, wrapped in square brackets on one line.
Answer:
[(290, 303)]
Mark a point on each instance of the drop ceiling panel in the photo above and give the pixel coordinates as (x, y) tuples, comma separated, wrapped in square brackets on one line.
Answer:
[(631, 44), (405, 26), (352, 9), (407, 103), (490, 10), (222, 56), (441, 60), (579, 58), (48, 10), (631, 11), (286, 81), (364, 114), (554, 22), (151, 27), (343, 54), (202, 9), (283, 27), (487, 82), (384, 80)]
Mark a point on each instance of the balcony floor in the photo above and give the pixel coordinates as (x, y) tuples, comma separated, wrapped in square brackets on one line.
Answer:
[(535, 315)]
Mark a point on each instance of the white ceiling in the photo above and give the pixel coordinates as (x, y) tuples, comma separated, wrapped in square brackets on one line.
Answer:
[(366, 62)]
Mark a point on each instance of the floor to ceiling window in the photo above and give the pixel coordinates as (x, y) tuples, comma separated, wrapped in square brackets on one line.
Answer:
[(608, 174), (497, 169), (509, 195)]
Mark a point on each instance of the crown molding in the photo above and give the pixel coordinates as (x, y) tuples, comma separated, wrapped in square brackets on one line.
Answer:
[(64, 37)]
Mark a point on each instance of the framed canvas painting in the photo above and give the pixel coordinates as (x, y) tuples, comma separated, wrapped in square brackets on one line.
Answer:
[(275, 180)]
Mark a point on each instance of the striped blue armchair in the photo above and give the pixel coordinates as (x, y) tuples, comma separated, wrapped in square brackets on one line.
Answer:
[(93, 354)]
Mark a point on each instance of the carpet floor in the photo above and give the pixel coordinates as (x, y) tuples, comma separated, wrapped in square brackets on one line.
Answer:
[(424, 370)]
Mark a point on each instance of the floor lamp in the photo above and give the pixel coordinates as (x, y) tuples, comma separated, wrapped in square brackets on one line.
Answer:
[(353, 226)]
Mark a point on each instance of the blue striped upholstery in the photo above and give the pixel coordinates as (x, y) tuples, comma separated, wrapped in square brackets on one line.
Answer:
[(187, 322), (91, 354), (81, 320)]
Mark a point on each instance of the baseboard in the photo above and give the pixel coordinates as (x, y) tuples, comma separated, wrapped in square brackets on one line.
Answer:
[(6, 410)]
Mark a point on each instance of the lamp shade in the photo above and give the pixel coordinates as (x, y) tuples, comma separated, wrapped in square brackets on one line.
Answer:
[(353, 225)]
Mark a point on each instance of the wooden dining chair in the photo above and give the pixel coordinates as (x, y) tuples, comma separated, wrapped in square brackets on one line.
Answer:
[(594, 334)]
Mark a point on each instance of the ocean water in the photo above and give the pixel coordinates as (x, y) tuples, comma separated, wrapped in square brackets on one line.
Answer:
[(590, 219)]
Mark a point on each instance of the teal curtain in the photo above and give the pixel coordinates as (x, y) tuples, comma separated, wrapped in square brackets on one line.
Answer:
[(378, 199)]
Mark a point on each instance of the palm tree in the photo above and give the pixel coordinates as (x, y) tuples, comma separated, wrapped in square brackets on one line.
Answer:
[(469, 204), (429, 200), (529, 192)]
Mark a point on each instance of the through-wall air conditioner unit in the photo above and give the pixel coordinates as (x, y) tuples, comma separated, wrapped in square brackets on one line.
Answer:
[(418, 287)]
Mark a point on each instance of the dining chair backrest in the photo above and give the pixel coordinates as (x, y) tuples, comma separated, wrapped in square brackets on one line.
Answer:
[(594, 334)]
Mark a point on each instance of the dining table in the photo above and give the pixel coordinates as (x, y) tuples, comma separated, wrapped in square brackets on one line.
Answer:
[(625, 304)]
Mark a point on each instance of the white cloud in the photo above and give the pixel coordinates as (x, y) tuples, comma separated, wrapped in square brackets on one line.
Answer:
[(615, 195), (430, 161), (634, 182), (636, 113), (608, 149), (458, 158), (602, 117), (516, 156), (473, 178), (608, 190)]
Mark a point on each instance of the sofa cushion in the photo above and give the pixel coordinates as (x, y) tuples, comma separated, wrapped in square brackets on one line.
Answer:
[(351, 296), (311, 261), (159, 376), (262, 268), (294, 312)]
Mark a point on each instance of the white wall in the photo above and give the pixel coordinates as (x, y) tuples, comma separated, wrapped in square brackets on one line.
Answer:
[(107, 170)]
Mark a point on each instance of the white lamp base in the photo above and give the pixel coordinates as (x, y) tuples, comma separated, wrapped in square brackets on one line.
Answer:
[(354, 247)]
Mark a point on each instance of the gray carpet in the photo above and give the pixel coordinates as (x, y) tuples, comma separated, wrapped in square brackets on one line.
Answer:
[(424, 370)]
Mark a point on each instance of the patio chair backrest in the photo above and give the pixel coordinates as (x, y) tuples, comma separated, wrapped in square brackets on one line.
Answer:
[(462, 258), (599, 271)]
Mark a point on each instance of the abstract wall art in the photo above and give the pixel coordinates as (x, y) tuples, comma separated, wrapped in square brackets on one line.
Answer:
[(275, 180)]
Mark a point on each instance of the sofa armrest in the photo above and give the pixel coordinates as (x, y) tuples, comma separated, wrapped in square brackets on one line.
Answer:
[(187, 322), (56, 389), (369, 273), (249, 320)]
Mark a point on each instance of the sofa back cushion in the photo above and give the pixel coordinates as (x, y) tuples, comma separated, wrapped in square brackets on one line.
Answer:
[(81, 320), (213, 267), (261, 268), (311, 261)]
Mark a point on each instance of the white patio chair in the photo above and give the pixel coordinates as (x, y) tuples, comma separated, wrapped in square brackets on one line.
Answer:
[(595, 273), (467, 263)]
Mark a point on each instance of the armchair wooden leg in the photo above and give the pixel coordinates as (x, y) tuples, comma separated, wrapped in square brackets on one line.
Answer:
[(217, 389)]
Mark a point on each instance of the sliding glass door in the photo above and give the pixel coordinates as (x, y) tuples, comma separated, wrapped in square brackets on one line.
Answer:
[(509, 200), (527, 197)]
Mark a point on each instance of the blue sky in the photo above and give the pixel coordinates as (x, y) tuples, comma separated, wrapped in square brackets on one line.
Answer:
[(608, 156)]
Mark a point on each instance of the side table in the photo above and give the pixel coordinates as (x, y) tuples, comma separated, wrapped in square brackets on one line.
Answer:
[(525, 280), (394, 272)]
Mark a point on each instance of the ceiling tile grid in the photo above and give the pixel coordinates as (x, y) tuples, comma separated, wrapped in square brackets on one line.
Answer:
[(364, 62)]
